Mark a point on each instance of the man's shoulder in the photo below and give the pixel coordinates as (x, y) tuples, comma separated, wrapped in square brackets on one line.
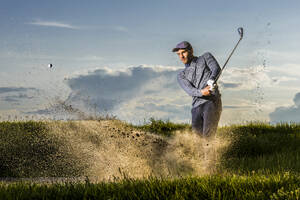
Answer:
[(201, 59), (204, 58), (206, 55)]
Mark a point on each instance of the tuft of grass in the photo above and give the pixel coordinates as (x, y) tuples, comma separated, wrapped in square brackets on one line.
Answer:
[(161, 127)]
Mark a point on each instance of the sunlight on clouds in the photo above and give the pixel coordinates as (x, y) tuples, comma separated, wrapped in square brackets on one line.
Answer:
[(245, 78), (135, 94)]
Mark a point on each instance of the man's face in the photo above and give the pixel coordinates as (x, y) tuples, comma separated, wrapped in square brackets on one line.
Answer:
[(185, 55)]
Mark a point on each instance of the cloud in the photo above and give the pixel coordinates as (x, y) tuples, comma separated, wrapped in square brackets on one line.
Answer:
[(53, 24), (280, 79), (117, 28), (287, 114), (20, 98), (230, 85), (168, 108), (287, 70), (145, 91), (249, 78), (237, 107), (131, 93), (297, 100), (106, 88), (17, 98), (15, 89)]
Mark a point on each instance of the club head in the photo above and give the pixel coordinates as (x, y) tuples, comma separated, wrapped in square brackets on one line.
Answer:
[(241, 32)]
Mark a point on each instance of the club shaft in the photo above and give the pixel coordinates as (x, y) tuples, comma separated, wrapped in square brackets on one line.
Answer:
[(229, 56)]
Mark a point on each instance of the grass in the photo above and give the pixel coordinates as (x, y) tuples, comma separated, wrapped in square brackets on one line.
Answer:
[(158, 126), (284, 186), (261, 161), (262, 147)]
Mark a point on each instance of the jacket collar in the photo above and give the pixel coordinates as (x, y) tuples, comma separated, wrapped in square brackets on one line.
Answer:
[(192, 63)]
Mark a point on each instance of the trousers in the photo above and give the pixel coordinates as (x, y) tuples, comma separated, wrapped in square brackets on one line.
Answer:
[(206, 116)]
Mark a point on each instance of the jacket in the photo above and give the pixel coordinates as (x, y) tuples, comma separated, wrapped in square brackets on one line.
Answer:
[(194, 78)]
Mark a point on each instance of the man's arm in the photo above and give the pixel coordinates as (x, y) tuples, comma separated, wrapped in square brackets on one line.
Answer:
[(213, 65), (187, 86)]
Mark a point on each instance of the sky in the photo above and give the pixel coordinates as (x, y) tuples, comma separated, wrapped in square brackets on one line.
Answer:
[(114, 57)]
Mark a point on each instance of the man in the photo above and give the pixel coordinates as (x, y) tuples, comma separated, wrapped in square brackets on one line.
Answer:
[(197, 80)]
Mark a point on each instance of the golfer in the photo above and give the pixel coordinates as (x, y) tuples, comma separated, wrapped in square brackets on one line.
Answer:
[(197, 80)]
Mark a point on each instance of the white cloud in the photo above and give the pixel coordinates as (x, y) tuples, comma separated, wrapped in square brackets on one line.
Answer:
[(290, 70), (245, 78), (38, 22), (278, 79), (140, 92), (53, 24), (287, 113), (137, 93), (251, 78), (130, 93), (117, 72)]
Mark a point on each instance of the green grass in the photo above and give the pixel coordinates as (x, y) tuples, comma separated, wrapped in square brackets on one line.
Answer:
[(262, 147), (262, 161), (284, 186), (162, 127)]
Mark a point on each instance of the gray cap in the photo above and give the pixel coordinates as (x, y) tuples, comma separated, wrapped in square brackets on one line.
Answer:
[(183, 45)]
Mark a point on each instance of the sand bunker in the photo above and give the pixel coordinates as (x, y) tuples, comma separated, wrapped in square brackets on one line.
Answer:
[(111, 149)]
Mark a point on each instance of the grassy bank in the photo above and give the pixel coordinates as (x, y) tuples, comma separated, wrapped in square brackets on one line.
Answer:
[(262, 148), (209, 187), (65, 149), (252, 161), (29, 149)]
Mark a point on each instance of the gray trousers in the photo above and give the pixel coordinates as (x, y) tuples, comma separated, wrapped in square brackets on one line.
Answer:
[(206, 116)]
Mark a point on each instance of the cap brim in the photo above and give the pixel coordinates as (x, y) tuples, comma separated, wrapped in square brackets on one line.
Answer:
[(176, 49)]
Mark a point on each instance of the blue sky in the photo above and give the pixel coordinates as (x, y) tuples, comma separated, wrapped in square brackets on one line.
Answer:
[(80, 38)]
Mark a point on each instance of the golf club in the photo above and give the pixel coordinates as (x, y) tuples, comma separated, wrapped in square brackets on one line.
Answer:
[(241, 33)]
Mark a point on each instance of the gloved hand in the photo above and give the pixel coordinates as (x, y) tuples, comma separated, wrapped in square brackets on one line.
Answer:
[(211, 84)]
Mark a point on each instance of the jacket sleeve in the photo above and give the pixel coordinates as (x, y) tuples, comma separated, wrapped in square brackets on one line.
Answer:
[(212, 64), (187, 86)]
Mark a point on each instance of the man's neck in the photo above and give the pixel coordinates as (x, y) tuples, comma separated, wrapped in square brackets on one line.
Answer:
[(189, 62)]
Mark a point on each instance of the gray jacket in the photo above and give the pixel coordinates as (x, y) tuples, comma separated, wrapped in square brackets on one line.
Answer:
[(194, 78)]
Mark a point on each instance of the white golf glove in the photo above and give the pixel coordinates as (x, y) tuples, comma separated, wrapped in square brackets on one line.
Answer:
[(211, 84)]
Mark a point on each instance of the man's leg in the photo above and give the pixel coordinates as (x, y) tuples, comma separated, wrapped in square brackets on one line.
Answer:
[(211, 116), (197, 119)]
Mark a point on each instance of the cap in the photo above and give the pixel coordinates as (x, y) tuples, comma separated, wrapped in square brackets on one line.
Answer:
[(183, 45)]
